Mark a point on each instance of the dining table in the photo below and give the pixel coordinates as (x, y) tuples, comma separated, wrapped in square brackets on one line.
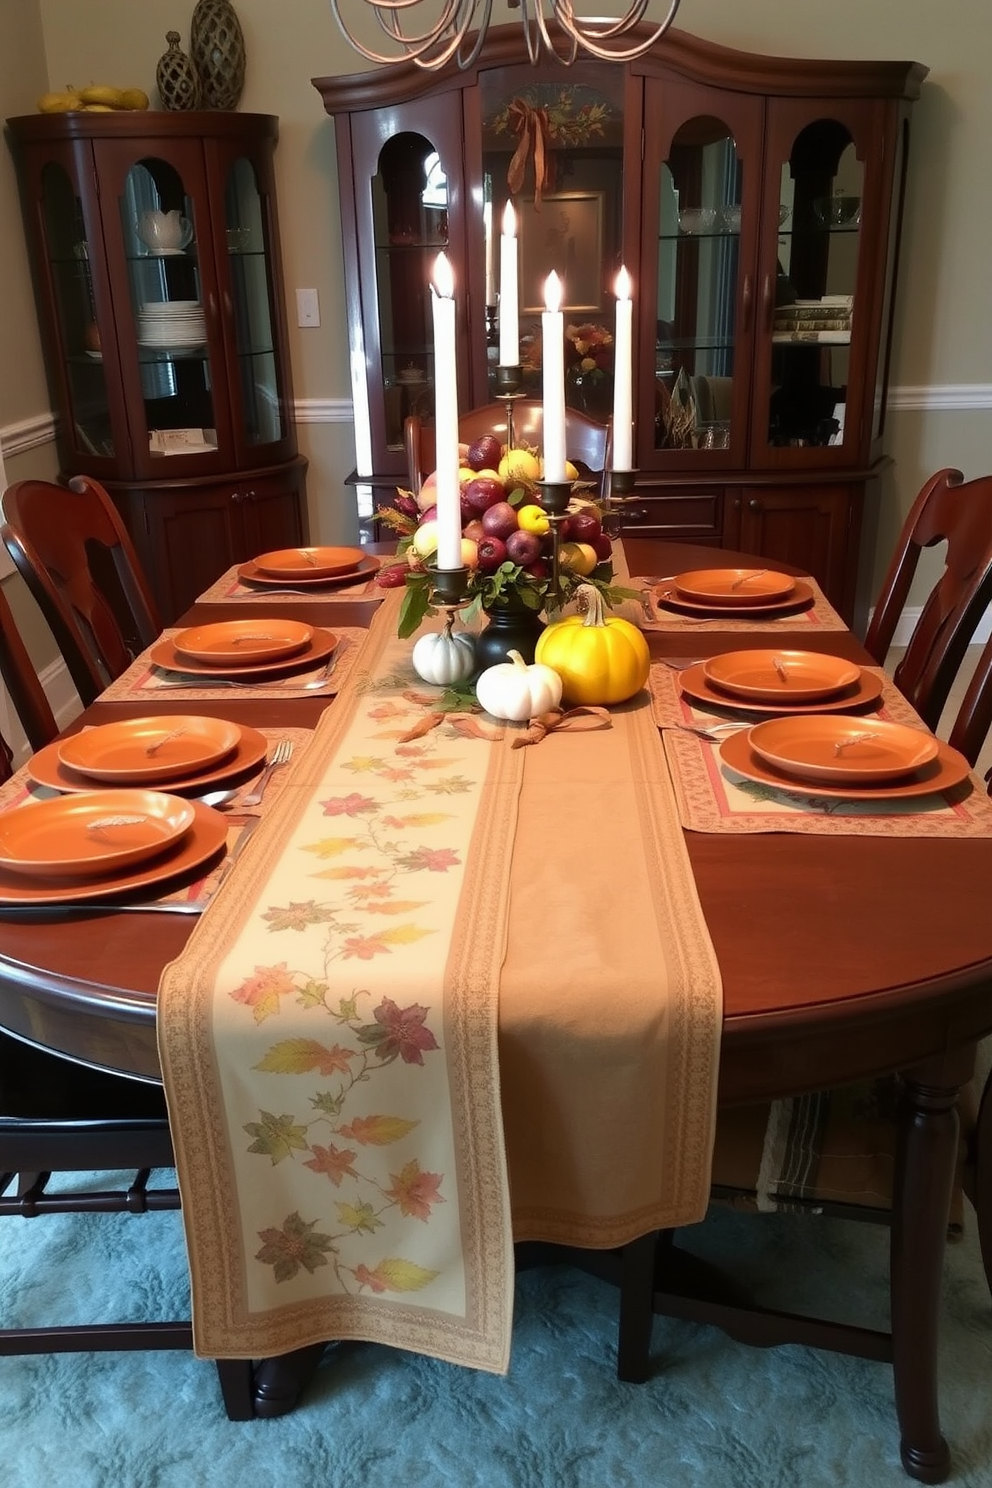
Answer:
[(841, 956)]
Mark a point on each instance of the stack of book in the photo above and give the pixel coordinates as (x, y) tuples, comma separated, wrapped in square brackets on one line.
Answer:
[(827, 321)]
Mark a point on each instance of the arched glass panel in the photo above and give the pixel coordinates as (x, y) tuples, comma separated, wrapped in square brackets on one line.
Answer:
[(699, 223), (820, 216), (251, 295), (410, 218)]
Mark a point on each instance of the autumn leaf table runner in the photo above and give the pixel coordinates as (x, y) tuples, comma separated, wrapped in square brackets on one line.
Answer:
[(458, 994)]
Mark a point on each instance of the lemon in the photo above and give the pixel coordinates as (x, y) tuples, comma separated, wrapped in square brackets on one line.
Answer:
[(533, 518), (579, 557), (519, 464)]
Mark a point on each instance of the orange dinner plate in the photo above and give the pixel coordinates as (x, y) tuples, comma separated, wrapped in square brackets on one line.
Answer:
[(47, 767), (205, 839), (309, 563), (837, 750), (669, 598), (149, 749), (949, 769), (243, 642), (735, 586), (781, 675), (164, 654), (95, 832), (695, 684), (250, 573)]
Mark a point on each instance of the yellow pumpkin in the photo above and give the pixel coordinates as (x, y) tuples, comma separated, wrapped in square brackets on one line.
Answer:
[(599, 658)]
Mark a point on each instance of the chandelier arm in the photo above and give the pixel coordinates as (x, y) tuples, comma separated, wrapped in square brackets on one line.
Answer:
[(467, 60), (414, 47), (387, 15), (589, 41)]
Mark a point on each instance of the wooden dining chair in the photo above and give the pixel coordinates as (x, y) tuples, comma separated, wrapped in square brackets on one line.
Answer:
[(23, 688), (959, 513), (57, 1116), (73, 551), (587, 441)]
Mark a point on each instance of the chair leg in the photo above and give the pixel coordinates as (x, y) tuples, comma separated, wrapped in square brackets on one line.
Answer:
[(636, 1308), (982, 1197), (237, 1378)]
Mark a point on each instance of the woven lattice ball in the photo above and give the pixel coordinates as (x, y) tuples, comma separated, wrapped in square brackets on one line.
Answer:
[(178, 84), (217, 46)]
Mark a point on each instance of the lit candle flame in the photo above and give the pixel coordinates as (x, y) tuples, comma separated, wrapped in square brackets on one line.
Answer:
[(552, 293), (622, 285), (509, 221)]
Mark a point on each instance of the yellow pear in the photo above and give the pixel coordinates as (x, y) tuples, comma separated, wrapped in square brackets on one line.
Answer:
[(59, 103), (100, 93), (134, 98)]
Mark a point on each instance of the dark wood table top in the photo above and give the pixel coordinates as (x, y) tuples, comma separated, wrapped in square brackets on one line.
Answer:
[(840, 956)]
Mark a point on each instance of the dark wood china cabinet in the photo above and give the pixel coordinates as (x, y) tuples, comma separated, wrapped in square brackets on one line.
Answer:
[(155, 249), (756, 202)]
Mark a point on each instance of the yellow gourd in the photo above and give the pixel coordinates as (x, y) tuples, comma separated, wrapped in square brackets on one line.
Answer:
[(599, 658)]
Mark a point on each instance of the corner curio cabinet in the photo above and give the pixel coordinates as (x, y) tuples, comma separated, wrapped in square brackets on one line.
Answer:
[(756, 202), (155, 250)]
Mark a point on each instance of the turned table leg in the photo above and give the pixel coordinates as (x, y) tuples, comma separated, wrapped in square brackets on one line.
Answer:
[(921, 1205)]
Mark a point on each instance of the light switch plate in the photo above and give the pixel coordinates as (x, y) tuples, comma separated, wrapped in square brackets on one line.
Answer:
[(307, 308)]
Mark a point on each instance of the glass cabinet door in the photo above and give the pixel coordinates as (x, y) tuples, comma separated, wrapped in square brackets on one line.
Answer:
[(698, 257), (161, 234), (79, 357), (250, 303), (410, 223), (556, 151), (815, 273)]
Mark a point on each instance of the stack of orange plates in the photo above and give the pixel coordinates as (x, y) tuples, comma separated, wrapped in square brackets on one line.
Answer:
[(182, 752), (318, 568), (243, 642), (734, 586)]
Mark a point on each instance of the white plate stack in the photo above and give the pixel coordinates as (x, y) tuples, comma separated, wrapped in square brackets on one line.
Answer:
[(175, 325)]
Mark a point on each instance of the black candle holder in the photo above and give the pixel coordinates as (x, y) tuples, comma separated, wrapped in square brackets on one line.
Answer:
[(555, 496), (509, 381), (618, 488), (450, 588)]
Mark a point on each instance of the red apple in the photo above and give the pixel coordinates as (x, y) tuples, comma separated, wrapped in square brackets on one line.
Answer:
[(483, 492), (523, 547), (491, 553), (582, 526), (474, 530), (499, 520), (429, 514), (538, 569), (392, 577), (603, 547), (485, 452)]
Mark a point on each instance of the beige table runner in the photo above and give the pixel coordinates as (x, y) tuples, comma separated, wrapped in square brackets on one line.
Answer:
[(713, 798), (229, 587), (145, 681), (423, 922)]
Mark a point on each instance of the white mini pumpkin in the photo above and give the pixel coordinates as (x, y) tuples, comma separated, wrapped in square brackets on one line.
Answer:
[(516, 691), (444, 658)]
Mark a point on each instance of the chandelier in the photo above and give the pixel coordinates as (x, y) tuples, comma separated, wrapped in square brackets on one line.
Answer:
[(437, 44)]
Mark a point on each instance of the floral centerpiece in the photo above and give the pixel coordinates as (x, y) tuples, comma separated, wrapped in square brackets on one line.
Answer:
[(507, 544)]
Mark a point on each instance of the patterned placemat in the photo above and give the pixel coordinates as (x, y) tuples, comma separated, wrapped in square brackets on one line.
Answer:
[(229, 587), (242, 819), (821, 615), (713, 798), (144, 680)]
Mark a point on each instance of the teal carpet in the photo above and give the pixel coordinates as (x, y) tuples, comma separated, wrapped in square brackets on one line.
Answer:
[(714, 1413)]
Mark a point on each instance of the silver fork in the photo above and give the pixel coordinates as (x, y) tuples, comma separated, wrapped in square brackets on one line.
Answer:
[(714, 732), (280, 756)]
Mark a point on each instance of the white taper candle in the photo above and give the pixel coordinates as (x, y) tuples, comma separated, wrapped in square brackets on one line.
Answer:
[(553, 355), (449, 514), (509, 318), (623, 394)]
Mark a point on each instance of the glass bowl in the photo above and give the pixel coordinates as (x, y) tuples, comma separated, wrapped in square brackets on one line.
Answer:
[(731, 217), (838, 211), (696, 219)]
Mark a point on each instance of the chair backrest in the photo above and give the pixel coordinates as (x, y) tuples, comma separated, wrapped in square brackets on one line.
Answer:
[(950, 510), (974, 716), (587, 442), (74, 553), (25, 691)]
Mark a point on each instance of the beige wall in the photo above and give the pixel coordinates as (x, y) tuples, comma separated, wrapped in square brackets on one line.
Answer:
[(941, 351)]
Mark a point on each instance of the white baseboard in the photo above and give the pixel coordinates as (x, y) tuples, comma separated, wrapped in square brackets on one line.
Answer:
[(909, 617), (62, 697)]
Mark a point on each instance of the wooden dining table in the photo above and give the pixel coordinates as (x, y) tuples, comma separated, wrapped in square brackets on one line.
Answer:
[(842, 957)]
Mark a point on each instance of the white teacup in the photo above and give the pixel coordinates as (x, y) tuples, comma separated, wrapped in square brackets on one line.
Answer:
[(164, 231)]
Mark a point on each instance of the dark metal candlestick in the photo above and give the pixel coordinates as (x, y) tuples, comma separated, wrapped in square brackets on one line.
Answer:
[(555, 496), (450, 586), (618, 488), (509, 381)]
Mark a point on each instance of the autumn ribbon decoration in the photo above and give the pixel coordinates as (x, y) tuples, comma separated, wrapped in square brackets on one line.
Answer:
[(534, 131)]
